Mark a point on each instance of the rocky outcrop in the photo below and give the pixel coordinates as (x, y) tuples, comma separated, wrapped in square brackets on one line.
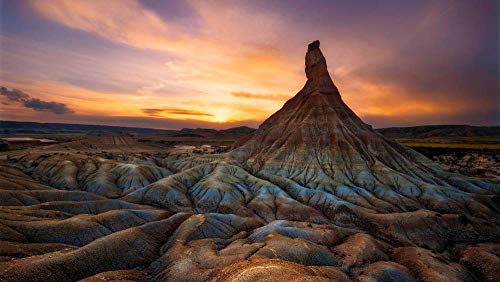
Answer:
[(101, 176)]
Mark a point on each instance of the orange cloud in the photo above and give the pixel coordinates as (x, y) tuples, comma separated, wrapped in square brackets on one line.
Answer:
[(214, 62), (174, 111), (272, 97), (230, 57), (125, 21)]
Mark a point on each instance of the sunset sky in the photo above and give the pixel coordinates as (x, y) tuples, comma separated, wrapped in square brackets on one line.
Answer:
[(219, 64)]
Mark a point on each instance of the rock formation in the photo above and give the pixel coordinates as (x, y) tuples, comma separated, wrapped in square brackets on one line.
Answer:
[(315, 194)]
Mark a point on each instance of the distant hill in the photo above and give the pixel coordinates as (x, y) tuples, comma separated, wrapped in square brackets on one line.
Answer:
[(414, 132), (197, 132), (241, 130), (18, 127), (434, 131), (208, 132)]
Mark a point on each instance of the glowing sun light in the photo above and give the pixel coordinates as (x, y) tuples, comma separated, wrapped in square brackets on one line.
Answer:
[(220, 116)]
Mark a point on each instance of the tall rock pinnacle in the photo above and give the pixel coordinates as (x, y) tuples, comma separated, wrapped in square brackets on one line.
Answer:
[(316, 138), (317, 72), (315, 61)]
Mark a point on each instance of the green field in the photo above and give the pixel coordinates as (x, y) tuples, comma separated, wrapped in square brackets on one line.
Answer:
[(476, 142), (452, 145)]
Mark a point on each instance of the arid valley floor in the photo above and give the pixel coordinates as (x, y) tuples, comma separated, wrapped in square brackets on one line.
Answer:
[(314, 194)]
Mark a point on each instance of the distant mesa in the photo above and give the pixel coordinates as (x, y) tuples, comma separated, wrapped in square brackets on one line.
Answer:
[(207, 132), (18, 127), (429, 131), (425, 131)]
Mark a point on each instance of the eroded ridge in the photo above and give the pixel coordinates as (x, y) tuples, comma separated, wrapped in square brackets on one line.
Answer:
[(313, 195)]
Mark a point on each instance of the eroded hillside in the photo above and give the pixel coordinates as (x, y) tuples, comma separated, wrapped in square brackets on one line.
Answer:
[(314, 194)]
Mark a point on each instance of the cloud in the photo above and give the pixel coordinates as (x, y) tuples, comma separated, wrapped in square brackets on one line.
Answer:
[(438, 64), (134, 121), (191, 64), (54, 107), (36, 104), (440, 73), (174, 111), (212, 43), (127, 22), (14, 94), (271, 97)]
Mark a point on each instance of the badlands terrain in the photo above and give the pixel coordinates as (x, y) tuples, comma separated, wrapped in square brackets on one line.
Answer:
[(314, 194)]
